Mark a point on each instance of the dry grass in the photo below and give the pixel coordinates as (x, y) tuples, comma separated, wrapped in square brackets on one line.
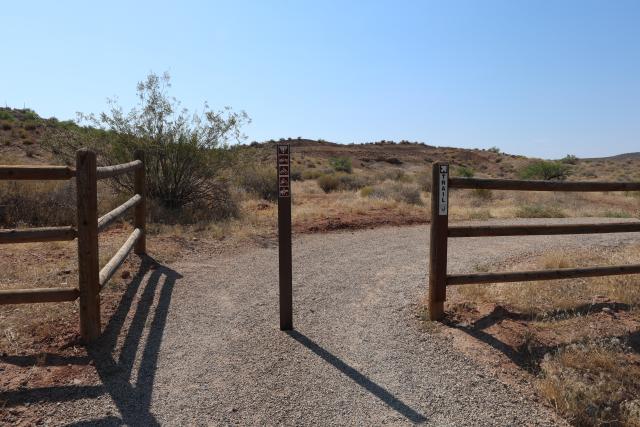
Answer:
[(545, 298), (580, 337), (593, 384)]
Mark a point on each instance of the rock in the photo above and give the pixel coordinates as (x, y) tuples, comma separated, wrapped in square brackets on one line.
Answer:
[(608, 311)]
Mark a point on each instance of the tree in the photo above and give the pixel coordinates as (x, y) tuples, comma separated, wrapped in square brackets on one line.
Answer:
[(184, 153), (546, 170)]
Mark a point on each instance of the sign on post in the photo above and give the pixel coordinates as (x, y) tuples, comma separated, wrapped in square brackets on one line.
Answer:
[(283, 161), (443, 190)]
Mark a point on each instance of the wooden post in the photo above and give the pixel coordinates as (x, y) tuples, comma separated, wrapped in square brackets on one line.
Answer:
[(438, 244), (88, 268), (283, 160), (140, 212)]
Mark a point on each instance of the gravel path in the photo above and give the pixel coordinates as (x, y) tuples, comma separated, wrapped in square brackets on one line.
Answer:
[(203, 347)]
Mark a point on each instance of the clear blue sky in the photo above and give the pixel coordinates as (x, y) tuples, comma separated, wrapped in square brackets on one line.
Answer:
[(542, 78)]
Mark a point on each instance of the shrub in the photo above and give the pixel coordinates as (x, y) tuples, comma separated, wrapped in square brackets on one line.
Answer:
[(569, 159), (340, 182), (329, 183), (482, 193), (185, 154), (311, 174), (259, 180), (341, 164), (37, 204), (400, 192), (296, 175), (6, 115), (539, 211), (494, 149), (423, 179), (465, 172), (28, 114), (546, 170), (6, 125)]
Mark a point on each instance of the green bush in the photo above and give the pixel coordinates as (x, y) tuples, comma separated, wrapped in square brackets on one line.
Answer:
[(6, 115), (545, 170), (259, 180), (465, 172), (539, 211), (494, 149), (186, 155), (341, 164)]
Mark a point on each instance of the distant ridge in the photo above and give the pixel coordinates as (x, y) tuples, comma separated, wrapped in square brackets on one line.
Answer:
[(624, 156)]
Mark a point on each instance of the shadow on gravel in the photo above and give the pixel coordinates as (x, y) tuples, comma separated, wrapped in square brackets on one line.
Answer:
[(132, 396), (364, 382)]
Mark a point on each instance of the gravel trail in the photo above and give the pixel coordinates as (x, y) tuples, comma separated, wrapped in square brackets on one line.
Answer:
[(206, 348)]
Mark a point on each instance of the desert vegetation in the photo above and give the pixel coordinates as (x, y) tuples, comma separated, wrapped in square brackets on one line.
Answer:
[(577, 338), (208, 188)]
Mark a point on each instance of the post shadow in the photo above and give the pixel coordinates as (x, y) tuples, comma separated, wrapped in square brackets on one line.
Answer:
[(530, 359), (132, 400), (378, 391)]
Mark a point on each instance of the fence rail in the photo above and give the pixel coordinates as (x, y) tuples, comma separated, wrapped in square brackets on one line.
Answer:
[(522, 185), (45, 234), (441, 232), (34, 173), (542, 230), (90, 279), (30, 296)]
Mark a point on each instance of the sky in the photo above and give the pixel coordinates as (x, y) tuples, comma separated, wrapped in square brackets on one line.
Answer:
[(539, 78)]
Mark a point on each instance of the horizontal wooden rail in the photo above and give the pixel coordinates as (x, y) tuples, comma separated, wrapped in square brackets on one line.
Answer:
[(27, 235), (527, 276), (111, 171), (29, 296), (513, 184), (542, 230), (106, 220), (110, 268), (8, 172)]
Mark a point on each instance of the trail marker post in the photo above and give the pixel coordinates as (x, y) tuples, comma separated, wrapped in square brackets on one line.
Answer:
[(438, 247), (283, 161)]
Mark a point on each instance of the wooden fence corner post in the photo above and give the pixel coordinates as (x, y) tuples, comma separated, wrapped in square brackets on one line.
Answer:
[(88, 263), (438, 240), (140, 212)]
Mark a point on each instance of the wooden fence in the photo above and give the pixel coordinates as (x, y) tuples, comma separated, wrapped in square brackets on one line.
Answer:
[(91, 279), (441, 232)]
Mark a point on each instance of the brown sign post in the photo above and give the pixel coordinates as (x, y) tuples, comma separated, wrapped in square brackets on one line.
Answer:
[(284, 236)]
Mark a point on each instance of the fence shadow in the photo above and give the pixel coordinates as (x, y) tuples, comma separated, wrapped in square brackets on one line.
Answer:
[(360, 379), (132, 396), (530, 358)]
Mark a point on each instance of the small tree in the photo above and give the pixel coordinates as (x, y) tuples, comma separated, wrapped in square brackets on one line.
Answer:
[(184, 152), (546, 170)]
